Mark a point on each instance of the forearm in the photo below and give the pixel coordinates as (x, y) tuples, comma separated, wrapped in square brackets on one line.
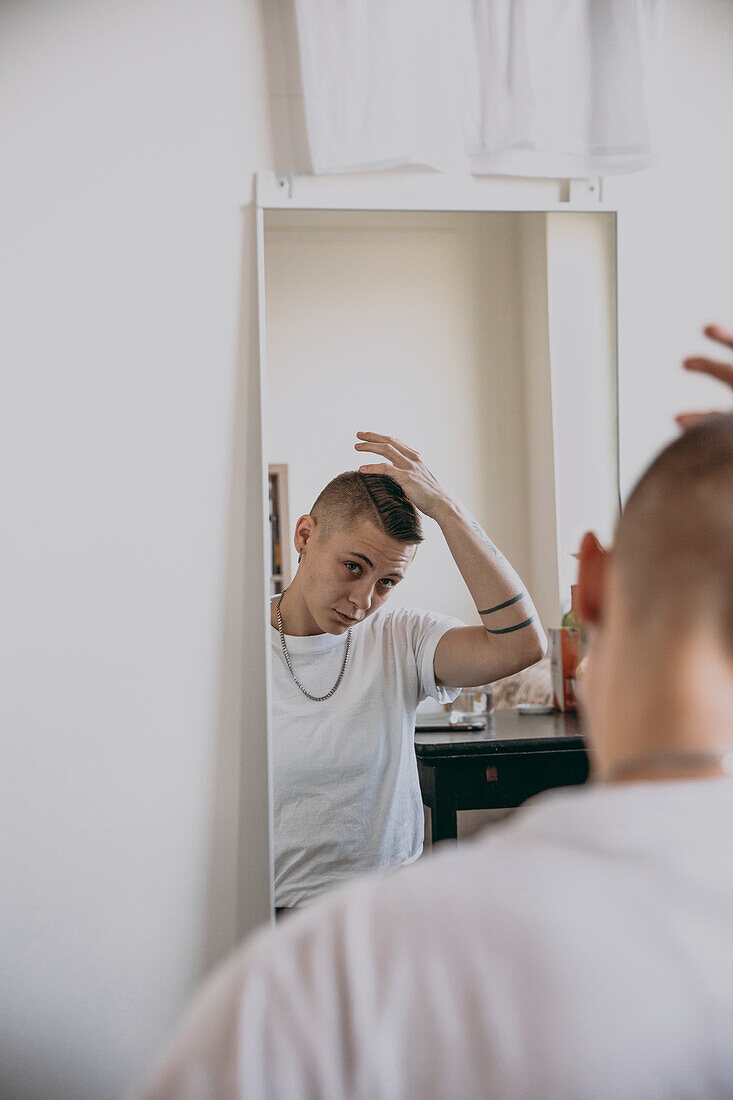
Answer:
[(509, 617), (511, 637)]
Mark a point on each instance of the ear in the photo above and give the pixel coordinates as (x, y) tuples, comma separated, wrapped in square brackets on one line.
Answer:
[(592, 571), (304, 530)]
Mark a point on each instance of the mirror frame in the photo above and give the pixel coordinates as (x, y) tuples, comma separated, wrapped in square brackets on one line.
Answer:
[(399, 191)]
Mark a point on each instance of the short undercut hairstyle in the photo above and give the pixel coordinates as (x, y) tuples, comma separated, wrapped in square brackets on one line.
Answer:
[(674, 544), (352, 497)]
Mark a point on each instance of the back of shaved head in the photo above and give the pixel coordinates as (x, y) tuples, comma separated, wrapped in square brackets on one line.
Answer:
[(353, 497), (674, 543)]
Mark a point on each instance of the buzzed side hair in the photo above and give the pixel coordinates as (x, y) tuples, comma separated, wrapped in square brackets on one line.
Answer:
[(353, 496), (674, 543)]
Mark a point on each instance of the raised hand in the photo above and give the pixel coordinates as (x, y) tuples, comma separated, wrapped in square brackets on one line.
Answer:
[(407, 468), (712, 367)]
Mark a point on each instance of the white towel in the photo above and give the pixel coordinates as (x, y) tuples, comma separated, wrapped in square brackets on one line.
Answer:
[(519, 87)]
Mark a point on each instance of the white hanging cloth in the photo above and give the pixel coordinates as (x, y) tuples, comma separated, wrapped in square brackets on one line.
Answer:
[(516, 87)]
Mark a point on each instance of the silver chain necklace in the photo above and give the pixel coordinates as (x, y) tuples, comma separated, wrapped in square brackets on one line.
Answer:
[(286, 655), (689, 759)]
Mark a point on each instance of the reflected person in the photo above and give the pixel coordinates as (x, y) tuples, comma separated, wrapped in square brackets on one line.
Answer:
[(349, 672)]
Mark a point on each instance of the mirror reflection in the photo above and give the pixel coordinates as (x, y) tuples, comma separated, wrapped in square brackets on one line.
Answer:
[(423, 500)]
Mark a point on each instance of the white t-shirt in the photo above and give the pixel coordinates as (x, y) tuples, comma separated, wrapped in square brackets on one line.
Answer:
[(345, 784), (582, 949)]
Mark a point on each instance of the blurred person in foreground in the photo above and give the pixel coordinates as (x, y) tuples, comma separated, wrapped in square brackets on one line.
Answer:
[(584, 948)]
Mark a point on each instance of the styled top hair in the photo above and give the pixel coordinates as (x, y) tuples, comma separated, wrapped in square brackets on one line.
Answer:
[(353, 496), (674, 543)]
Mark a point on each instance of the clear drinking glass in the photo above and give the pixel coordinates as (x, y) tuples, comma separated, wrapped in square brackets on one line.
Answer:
[(471, 705)]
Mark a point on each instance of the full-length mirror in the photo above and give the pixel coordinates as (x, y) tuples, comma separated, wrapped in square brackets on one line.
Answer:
[(485, 342)]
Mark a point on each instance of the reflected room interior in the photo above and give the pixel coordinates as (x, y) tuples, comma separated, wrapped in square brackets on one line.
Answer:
[(485, 340)]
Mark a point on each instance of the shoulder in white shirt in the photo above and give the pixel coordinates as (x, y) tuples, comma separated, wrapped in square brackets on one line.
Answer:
[(584, 948)]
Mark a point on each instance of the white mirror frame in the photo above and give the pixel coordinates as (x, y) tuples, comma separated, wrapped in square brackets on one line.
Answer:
[(429, 192)]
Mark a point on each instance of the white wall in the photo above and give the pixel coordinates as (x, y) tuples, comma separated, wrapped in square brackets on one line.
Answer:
[(535, 352), (129, 132), (581, 275), (131, 619), (675, 269)]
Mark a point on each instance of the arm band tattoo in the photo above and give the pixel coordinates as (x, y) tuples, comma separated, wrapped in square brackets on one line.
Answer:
[(499, 606), (509, 629)]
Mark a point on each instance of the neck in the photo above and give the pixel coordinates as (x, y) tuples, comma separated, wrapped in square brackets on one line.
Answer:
[(667, 715), (296, 618)]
